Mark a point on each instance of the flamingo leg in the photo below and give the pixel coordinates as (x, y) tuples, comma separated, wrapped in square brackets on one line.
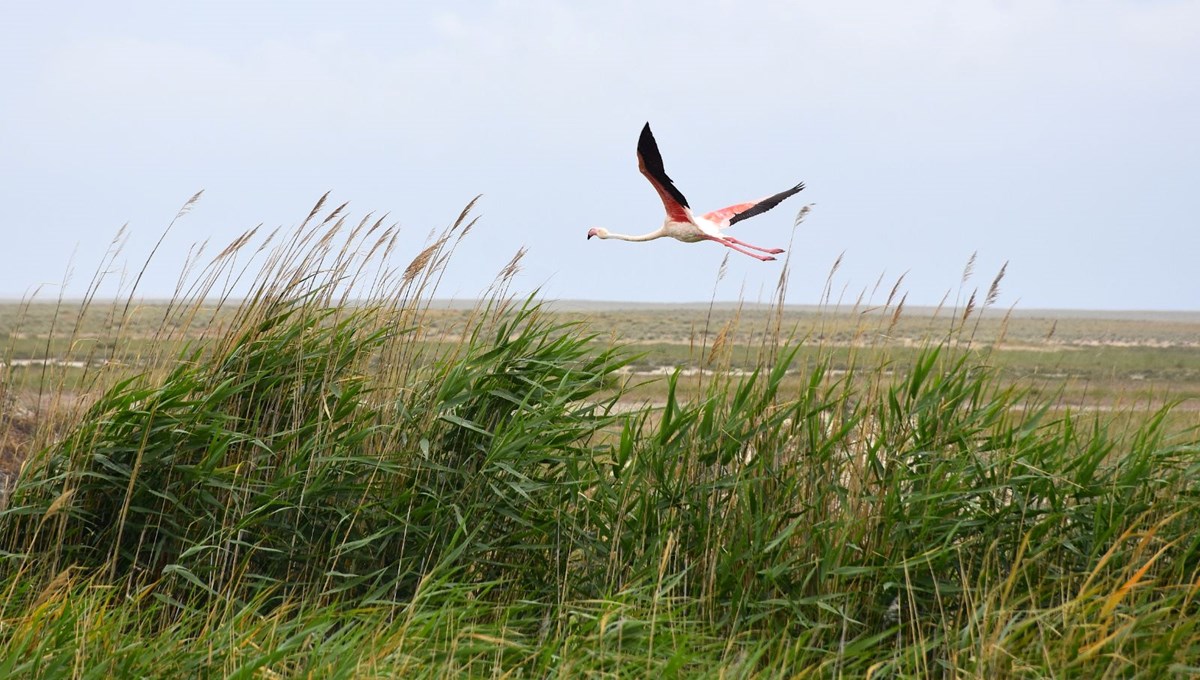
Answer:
[(773, 251), (726, 242)]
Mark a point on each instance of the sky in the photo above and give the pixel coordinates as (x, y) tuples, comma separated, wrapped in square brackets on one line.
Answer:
[(1059, 136)]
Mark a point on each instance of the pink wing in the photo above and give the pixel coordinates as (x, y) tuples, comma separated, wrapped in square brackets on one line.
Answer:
[(736, 213), (720, 216)]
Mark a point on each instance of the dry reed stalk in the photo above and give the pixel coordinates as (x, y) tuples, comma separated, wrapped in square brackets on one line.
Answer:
[(969, 269), (1003, 332), (721, 271), (970, 307), (466, 230), (187, 206), (937, 311), (990, 299), (827, 294), (875, 288), (994, 289), (316, 209), (498, 288), (720, 341), (897, 313), (336, 211), (419, 263), (514, 265), (895, 288), (360, 235)]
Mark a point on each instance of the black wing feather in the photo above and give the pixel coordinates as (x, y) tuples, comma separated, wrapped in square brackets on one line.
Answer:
[(766, 204), (653, 162)]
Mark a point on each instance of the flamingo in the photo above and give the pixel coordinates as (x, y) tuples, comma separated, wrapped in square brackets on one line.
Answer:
[(681, 224)]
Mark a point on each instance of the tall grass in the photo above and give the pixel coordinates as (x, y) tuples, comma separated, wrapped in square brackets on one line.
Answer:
[(305, 485)]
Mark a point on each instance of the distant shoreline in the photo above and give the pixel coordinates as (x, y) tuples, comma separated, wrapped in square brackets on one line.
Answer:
[(570, 305)]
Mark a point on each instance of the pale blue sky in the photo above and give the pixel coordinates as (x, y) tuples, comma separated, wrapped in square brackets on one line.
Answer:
[(1062, 136)]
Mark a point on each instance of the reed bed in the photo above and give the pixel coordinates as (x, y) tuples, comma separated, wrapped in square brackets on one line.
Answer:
[(296, 479)]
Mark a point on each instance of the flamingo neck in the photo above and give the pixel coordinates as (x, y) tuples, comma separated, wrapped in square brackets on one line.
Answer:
[(640, 237)]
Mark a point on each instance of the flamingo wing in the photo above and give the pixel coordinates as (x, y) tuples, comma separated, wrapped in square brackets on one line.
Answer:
[(651, 164), (741, 211), (719, 216)]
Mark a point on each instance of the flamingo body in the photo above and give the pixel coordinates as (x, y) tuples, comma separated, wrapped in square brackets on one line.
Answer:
[(680, 224)]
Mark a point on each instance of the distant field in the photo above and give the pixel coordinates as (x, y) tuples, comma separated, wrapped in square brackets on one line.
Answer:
[(1100, 359)]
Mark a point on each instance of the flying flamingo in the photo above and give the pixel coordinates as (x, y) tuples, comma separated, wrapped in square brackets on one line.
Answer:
[(680, 223)]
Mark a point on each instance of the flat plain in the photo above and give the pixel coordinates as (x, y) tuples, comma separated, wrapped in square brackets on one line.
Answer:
[(1090, 359)]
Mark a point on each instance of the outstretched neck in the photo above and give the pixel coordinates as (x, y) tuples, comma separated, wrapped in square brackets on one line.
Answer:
[(659, 233)]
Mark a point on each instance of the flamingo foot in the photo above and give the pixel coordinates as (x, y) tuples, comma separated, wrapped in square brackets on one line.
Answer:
[(764, 258)]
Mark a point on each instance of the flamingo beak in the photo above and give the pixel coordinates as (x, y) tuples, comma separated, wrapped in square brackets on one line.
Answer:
[(591, 233)]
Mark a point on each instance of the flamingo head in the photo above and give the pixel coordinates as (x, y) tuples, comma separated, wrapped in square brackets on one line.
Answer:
[(598, 231)]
